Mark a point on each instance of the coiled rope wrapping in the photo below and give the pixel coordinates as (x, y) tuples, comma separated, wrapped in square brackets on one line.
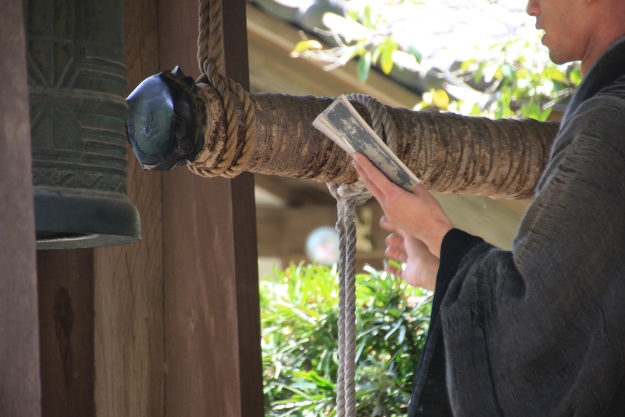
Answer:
[(236, 157), (211, 62)]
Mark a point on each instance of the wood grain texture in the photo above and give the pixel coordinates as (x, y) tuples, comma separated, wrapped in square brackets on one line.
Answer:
[(65, 288), (212, 323), (129, 351), (20, 391), (273, 70), (245, 249)]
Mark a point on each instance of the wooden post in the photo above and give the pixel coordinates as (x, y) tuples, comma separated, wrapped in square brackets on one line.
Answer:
[(65, 287), (129, 355), (212, 323), (20, 392)]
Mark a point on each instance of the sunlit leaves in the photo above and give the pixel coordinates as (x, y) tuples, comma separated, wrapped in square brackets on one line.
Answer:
[(576, 75), (364, 65), (415, 52), (345, 27), (299, 318), (435, 100), (385, 53), (305, 45), (512, 78), (404, 60), (440, 99)]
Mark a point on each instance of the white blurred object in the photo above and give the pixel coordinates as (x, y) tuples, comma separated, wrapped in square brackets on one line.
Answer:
[(322, 246)]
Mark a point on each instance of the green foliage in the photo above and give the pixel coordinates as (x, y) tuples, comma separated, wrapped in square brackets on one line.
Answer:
[(299, 314), (513, 78), (519, 86)]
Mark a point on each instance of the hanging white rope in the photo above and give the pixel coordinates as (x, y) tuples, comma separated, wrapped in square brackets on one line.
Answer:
[(348, 197)]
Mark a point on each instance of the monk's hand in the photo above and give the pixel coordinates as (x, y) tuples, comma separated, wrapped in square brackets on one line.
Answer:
[(418, 213), (420, 265)]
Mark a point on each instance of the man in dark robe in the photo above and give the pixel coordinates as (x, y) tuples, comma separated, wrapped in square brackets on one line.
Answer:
[(539, 330)]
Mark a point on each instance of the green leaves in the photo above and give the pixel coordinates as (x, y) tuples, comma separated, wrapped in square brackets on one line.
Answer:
[(575, 75), (305, 45), (511, 78), (412, 50), (364, 65), (299, 315), (385, 52)]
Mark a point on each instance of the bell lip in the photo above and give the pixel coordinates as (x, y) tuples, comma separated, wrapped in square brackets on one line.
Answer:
[(90, 219)]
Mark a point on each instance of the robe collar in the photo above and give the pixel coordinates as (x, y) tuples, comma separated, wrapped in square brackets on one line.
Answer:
[(609, 68)]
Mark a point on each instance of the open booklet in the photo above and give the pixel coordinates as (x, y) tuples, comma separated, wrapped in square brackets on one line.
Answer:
[(342, 123)]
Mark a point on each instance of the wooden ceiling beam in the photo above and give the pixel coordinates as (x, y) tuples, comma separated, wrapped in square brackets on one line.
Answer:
[(273, 70)]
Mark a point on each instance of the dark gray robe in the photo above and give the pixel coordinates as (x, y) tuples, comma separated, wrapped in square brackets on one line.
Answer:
[(540, 330)]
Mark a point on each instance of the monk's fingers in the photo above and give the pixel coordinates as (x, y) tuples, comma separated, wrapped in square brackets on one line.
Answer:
[(420, 189), (395, 248), (372, 173), (418, 246), (396, 253), (364, 176), (394, 239), (391, 269), (389, 226)]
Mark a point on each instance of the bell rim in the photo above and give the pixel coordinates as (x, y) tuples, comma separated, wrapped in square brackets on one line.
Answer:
[(80, 218)]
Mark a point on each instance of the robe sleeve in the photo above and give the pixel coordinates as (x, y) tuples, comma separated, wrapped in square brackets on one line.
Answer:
[(540, 330), (432, 398), (454, 247)]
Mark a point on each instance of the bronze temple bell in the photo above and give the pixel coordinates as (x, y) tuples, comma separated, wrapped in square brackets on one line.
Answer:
[(77, 86)]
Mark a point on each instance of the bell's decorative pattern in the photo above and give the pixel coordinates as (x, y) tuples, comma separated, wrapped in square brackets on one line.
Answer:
[(77, 87)]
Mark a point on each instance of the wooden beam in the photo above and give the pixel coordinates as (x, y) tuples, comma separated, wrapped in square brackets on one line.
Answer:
[(274, 71), (20, 391), (129, 347), (212, 324)]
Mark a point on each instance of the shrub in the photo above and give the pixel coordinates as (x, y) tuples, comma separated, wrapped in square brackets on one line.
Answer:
[(299, 314)]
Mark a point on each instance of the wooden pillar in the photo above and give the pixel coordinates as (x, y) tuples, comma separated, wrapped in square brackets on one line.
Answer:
[(128, 286), (212, 323), (65, 288), (20, 391)]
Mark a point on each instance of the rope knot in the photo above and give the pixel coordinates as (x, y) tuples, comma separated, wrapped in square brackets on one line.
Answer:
[(355, 191), (239, 145), (240, 141)]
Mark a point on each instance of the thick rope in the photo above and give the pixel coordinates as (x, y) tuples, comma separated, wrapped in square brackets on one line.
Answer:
[(210, 34), (348, 197), (233, 97)]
